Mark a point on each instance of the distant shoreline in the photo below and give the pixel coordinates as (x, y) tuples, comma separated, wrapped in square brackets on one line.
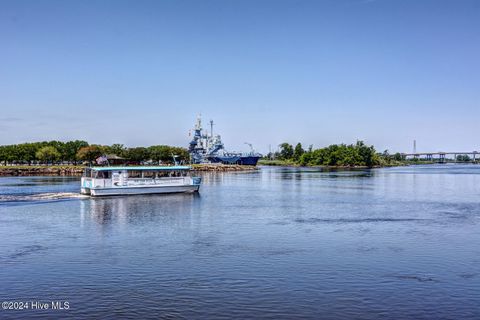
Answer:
[(75, 170), (282, 163)]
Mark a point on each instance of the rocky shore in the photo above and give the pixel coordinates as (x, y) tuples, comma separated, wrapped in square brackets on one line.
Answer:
[(13, 171)]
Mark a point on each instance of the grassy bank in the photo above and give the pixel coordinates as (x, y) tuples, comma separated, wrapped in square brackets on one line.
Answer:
[(265, 162)]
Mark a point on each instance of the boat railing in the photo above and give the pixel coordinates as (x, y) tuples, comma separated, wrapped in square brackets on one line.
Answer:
[(102, 183), (107, 183), (157, 181)]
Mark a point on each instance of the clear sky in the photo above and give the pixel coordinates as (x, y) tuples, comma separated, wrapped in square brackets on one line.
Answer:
[(320, 72)]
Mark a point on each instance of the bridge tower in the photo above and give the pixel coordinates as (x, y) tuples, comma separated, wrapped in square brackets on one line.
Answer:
[(442, 157)]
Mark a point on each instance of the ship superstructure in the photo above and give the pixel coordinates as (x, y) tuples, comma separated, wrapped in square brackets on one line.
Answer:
[(209, 148)]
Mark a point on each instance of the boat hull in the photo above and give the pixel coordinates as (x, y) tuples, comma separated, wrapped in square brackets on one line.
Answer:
[(240, 160), (134, 190)]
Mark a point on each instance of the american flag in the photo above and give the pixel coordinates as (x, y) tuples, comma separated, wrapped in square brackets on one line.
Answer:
[(101, 159)]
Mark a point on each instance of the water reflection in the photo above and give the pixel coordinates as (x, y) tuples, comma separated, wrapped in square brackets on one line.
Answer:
[(139, 209), (401, 243)]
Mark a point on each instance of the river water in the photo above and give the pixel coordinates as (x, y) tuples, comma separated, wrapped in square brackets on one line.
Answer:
[(279, 243)]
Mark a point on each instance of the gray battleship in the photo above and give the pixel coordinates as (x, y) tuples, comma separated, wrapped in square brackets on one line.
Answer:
[(208, 148)]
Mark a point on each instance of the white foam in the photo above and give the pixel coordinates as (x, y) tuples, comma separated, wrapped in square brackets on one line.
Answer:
[(43, 196)]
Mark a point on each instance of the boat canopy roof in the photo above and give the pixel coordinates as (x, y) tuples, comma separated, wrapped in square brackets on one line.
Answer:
[(142, 168)]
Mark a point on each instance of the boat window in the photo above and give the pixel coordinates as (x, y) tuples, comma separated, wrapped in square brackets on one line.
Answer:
[(134, 174), (178, 173), (88, 173), (103, 175), (149, 174)]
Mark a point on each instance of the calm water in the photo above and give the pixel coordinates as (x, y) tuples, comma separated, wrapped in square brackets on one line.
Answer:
[(393, 243)]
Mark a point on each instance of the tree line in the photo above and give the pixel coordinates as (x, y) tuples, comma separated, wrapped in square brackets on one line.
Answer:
[(79, 151), (358, 154)]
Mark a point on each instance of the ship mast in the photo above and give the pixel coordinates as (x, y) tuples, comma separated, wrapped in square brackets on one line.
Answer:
[(211, 128), (198, 125)]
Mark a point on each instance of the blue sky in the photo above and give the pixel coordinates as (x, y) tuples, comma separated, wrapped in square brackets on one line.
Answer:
[(319, 72)]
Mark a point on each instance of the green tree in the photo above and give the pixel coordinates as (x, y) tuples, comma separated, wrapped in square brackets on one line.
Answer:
[(286, 151), (341, 155), (25, 152), (367, 154), (160, 153), (181, 153), (306, 159), (48, 154), (71, 149), (398, 156), (385, 157), (116, 149), (463, 158), (298, 151), (89, 153), (60, 146), (11, 153), (137, 154), (4, 155)]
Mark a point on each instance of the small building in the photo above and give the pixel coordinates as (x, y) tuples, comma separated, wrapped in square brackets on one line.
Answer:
[(114, 160)]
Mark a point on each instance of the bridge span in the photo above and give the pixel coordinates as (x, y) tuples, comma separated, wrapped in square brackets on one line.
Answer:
[(441, 156)]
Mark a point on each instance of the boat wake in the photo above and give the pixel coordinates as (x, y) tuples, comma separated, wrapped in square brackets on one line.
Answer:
[(41, 197)]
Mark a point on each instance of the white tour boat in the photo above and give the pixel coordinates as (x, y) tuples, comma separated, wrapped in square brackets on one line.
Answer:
[(113, 181)]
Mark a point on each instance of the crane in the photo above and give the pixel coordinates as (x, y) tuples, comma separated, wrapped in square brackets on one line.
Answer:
[(251, 147)]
